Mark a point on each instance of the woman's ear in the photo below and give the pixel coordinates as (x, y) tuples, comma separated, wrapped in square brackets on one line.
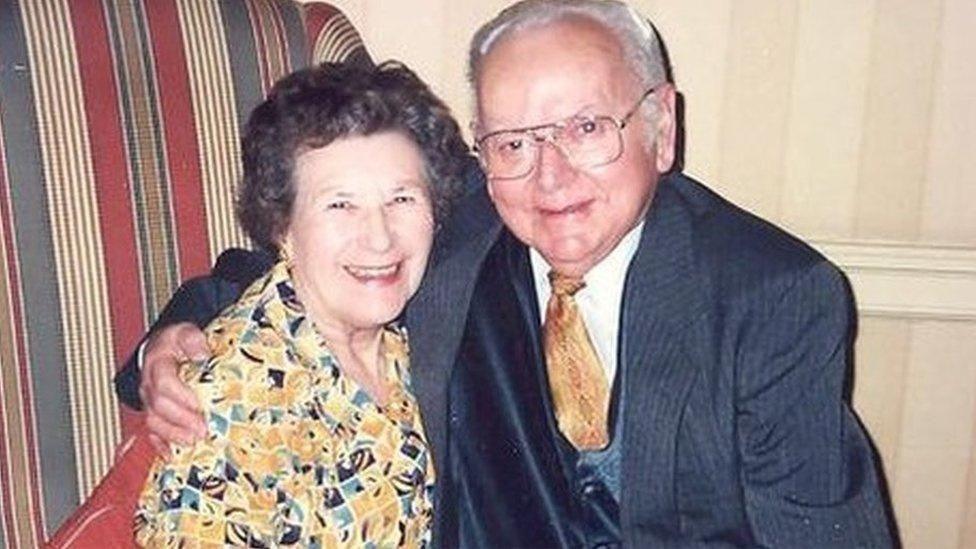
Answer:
[(285, 249)]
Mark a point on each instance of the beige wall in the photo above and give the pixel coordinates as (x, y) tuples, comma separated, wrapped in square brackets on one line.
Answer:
[(852, 123)]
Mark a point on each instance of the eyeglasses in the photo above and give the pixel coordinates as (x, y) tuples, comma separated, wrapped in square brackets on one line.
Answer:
[(585, 141)]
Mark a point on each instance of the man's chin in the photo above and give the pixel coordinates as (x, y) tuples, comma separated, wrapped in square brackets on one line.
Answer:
[(569, 256)]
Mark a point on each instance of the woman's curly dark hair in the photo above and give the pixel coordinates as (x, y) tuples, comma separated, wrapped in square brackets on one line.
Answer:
[(313, 107)]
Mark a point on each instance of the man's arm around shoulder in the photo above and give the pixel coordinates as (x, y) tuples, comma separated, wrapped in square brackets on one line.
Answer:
[(197, 301)]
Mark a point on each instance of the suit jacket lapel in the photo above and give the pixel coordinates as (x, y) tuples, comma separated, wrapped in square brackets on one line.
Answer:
[(663, 295), (436, 315), (525, 291)]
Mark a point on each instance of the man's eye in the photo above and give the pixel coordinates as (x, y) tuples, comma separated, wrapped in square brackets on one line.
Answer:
[(586, 127), (510, 145)]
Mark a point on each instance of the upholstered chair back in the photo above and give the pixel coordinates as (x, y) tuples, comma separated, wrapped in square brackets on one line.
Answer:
[(119, 146)]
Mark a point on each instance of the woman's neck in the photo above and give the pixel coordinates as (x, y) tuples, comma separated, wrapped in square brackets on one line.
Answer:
[(360, 357), (358, 350), (362, 345)]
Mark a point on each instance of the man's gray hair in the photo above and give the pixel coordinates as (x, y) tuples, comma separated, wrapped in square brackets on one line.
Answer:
[(638, 40)]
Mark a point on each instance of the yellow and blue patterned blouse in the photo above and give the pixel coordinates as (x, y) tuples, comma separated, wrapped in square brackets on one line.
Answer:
[(296, 452)]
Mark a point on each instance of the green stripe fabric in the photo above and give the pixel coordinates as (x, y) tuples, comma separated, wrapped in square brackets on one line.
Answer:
[(46, 440), (141, 118)]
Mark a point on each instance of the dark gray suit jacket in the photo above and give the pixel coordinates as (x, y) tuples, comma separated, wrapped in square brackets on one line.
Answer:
[(736, 339)]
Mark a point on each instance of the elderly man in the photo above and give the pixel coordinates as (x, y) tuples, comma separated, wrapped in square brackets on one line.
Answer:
[(623, 357)]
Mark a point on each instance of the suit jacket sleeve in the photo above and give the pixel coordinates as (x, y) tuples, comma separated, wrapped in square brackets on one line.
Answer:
[(198, 301), (807, 467)]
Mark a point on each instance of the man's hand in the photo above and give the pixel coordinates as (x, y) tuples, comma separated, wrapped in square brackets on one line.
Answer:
[(173, 413)]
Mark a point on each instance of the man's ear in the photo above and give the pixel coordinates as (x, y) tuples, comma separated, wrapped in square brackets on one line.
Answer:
[(665, 132), (489, 184)]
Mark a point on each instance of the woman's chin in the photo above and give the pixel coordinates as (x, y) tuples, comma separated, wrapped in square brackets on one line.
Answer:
[(375, 315)]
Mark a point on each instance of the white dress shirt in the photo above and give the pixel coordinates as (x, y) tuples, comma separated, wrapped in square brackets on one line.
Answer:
[(600, 300)]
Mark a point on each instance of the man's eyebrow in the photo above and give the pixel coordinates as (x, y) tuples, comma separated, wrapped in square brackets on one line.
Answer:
[(586, 110)]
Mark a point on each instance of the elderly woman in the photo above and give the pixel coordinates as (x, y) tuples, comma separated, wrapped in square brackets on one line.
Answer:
[(314, 437)]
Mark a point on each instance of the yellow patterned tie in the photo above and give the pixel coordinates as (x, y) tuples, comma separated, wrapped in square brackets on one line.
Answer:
[(577, 381)]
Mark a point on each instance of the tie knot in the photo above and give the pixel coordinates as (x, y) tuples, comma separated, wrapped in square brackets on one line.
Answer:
[(565, 285)]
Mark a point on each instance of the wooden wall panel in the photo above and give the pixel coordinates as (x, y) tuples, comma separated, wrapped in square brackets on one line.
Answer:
[(755, 110), (689, 31), (905, 36), (819, 187), (949, 197), (879, 382), (936, 447)]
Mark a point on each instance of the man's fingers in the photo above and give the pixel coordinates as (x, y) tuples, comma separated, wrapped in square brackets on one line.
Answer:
[(169, 386), (168, 432), (177, 404), (161, 447), (192, 343), (165, 342), (175, 412)]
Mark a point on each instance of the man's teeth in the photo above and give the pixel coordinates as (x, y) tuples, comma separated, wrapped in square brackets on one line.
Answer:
[(372, 272)]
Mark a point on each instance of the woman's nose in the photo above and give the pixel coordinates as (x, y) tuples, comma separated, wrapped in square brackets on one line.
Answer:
[(376, 234)]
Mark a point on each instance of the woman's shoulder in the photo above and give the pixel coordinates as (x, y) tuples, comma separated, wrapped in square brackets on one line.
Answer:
[(247, 341), (248, 323)]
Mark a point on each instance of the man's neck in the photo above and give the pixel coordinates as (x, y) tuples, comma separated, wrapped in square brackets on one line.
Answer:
[(621, 253)]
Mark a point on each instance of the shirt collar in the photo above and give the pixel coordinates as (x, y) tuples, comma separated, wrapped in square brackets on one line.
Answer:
[(605, 278)]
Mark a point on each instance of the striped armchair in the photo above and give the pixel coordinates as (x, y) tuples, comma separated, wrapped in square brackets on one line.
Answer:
[(119, 123)]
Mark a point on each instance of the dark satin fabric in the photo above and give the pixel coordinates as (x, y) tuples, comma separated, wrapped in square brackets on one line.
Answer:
[(514, 475)]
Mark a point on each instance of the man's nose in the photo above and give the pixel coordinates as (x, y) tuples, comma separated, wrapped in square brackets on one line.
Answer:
[(376, 234), (552, 166)]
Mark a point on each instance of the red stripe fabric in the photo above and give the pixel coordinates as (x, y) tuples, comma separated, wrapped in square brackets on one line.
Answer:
[(106, 517), (282, 46), (316, 16), (6, 492), (182, 148), (111, 175), (270, 43), (261, 45)]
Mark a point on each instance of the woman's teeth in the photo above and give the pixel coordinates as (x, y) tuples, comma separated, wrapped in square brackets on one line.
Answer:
[(372, 272)]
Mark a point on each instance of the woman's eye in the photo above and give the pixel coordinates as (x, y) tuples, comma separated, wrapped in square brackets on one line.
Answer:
[(339, 205), (404, 199)]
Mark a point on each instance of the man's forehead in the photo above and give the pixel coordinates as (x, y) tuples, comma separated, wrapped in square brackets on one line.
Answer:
[(572, 31), (541, 75)]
